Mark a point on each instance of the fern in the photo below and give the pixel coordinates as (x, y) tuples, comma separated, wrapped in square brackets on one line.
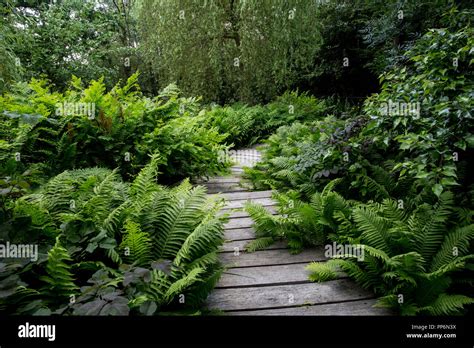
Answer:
[(205, 237), (176, 221), (374, 228), (447, 305), (59, 279), (168, 238), (299, 223), (145, 180), (259, 244), (322, 271), (136, 245), (265, 224), (407, 253), (455, 243), (183, 283)]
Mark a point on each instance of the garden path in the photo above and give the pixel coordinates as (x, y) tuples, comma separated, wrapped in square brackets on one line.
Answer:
[(272, 281)]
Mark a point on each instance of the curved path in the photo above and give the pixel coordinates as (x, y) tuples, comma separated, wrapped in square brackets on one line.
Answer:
[(272, 281)]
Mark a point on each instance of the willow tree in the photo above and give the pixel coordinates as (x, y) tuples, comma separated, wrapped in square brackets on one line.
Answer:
[(230, 50), (185, 42), (10, 68), (278, 45)]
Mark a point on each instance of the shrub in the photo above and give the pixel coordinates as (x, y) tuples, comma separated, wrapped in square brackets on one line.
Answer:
[(122, 131)]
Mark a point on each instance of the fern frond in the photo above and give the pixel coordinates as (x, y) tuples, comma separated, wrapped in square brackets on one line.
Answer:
[(455, 244), (179, 286), (330, 186), (59, 279), (136, 244), (259, 244), (200, 290), (265, 224), (145, 181), (322, 271), (176, 222), (373, 228), (456, 264), (430, 235), (115, 218), (208, 236), (447, 304)]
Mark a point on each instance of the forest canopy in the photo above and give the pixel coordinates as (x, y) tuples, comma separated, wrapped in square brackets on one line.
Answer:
[(225, 51)]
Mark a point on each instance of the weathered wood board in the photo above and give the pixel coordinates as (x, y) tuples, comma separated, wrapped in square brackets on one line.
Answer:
[(264, 275), (286, 295), (270, 257), (347, 308)]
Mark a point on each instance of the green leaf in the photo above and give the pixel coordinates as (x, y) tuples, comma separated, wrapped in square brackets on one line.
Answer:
[(470, 140), (148, 308), (448, 182), (437, 189)]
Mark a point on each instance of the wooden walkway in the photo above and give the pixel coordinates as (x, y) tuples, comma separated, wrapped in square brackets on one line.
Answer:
[(272, 281)]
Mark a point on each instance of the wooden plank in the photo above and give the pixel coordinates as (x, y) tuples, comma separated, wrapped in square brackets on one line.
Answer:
[(247, 153), (264, 275), (239, 233), (248, 162), (252, 148), (242, 213), (247, 195), (282, 296), (225, 188), (241, 222), (240, 203), (270, 257), (222, 180), (350, 308), (231, 246)]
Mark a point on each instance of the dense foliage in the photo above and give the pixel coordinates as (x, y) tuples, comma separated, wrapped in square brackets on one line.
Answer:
[(226, 51), (248, 125), (364, 109), (432, 144), (107, 247), (90, 40), (404, 165)]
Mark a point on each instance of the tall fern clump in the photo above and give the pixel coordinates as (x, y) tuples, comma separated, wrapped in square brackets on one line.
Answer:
[(88, 126), (135, 248), (294, 106), (417, 261), (301, 224), (247, 125), (239, 122)]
